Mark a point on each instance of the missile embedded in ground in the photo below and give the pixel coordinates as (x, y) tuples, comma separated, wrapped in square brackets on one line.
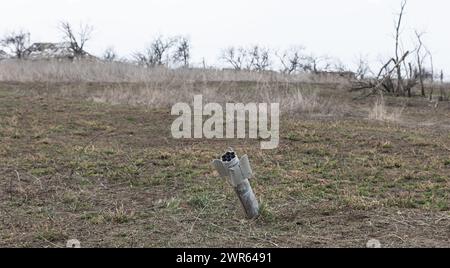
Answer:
[(238, 172)]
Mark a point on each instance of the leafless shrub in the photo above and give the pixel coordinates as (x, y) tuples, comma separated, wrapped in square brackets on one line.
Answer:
[(109, 55), (315, 64), (362, 69)]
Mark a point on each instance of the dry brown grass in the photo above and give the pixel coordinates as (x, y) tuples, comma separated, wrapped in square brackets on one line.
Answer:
[(294, 99), (123, 83), (126, 83), (122, 72), (379, 112)]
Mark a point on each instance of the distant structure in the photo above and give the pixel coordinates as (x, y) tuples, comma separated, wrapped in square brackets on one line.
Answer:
[(60, 51), (49, 51), (3, 55)]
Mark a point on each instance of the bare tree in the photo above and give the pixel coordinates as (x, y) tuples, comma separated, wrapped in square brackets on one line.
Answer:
[(310, 64), (204, 64), (443, 95), (237, 57), (259, 58), (420, 57), (76, 39), (182, 52), (160, 49), (290, 60), (109, 55), (428, 52), (157, 53), (412, 78), (17, 43), (397, 47)]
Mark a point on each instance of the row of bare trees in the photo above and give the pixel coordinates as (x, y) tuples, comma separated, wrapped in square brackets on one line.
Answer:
[(290, 61), (161, 51), (176, 51), (165, 51), (255, 58)]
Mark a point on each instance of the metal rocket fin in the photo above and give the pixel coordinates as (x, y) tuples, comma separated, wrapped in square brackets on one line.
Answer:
[(245, 167), (223, 172)]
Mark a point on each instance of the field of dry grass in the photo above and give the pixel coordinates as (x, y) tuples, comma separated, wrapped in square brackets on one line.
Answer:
[(95, 161), (119, 72)]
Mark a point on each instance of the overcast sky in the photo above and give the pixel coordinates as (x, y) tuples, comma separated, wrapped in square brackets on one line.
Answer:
[(343, 29)]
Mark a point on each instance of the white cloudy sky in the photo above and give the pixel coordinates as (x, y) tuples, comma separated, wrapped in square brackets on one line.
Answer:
[(344, 29)]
